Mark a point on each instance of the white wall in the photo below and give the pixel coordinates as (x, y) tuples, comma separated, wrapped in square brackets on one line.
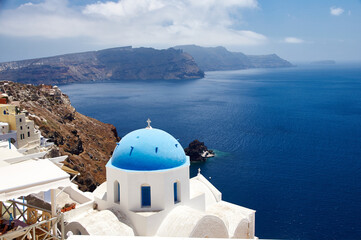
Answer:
[(162, 195), (4, 128), (161, 183), (147, 220), (77, 195)]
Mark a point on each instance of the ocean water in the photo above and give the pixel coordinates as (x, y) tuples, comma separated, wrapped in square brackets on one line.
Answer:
[(288, 141)]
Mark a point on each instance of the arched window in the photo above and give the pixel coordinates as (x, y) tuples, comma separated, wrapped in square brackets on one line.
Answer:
[(176, 192), (146, 195), (116, 192)]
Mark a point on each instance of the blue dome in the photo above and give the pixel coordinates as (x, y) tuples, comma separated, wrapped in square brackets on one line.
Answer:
[(148, 150)]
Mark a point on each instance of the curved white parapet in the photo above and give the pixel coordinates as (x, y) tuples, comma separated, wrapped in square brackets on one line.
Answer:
[(210, 227), (98, 223), (75, 228), (239, 220), (243, 230), (187, 222)]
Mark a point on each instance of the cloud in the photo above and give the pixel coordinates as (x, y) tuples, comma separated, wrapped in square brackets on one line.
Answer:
[(336, 11), (293, 40), (134, 22)]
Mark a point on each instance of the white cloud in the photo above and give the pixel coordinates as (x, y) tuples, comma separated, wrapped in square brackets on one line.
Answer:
[(336, 11), (125, 8), (293, 40), (134, 22)]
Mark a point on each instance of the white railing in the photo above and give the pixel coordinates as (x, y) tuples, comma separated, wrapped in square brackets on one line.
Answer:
[(43, 230), (41, 226)]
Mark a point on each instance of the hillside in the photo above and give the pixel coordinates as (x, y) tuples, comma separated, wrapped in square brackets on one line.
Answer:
[(219, 58), (88, 142), (123, 63), (268, 61)]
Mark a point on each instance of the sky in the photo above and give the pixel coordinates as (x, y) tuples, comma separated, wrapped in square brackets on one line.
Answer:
[(307, 30)]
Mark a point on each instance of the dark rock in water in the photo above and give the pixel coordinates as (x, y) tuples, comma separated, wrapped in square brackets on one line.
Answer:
[(198, 152)]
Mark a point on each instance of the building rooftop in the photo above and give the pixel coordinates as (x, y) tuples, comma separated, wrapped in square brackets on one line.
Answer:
[(32, 176), (148, 149)]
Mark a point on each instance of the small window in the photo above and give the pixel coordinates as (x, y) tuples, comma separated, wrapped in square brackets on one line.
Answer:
[(28, 134), (21, 127), (116, 192), (20, 119), (176, 192), (146, 196)]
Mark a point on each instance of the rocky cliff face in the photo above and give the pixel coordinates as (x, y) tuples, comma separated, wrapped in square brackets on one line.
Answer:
[(88, 142), (124, 63), (268, 61), (219, 58)]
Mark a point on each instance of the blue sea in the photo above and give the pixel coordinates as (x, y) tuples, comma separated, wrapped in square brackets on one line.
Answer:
[(288, 141)]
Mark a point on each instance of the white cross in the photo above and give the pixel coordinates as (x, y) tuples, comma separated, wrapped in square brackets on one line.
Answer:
[(148, 121), (199, 170)]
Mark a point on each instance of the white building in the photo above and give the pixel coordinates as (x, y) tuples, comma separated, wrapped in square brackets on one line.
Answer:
[(21, 175), (149, 193), (21, 130)]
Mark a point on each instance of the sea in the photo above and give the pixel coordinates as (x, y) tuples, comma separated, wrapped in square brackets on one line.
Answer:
[(287, 141)]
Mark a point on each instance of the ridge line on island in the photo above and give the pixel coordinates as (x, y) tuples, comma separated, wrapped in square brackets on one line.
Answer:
[(127, 63)]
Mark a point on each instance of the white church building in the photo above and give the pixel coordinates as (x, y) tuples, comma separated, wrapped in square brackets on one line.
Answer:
[(148, 192)]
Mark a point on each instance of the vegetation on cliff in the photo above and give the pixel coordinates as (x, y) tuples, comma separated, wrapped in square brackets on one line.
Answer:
[(88, 142), (123, 63)]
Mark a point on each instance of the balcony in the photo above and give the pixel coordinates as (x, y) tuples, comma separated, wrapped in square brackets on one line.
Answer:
[(30, 222)]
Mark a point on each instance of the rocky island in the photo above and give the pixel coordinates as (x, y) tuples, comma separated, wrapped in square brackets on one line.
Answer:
[(219, 59), (198, 152), (127, 63), (123, 63)]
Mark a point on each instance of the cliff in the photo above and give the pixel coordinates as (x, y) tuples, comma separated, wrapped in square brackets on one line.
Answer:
[(123, 63), (219, 58), (88, 142)]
